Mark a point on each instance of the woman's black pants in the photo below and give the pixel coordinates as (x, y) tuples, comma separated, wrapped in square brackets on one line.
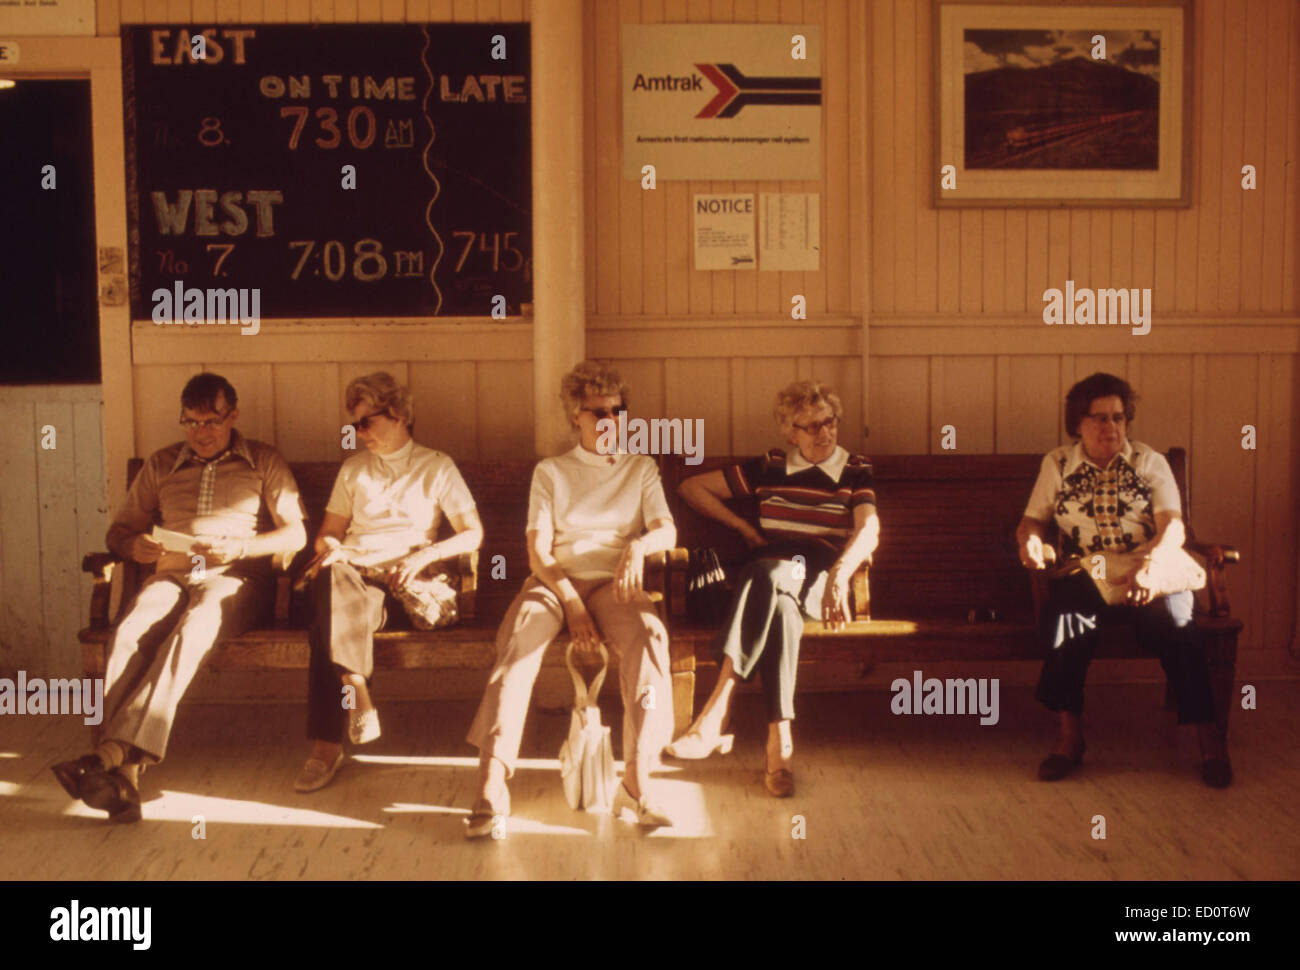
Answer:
[(1070, 626)]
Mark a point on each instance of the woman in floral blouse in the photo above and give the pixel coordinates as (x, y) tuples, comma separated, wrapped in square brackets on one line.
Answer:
[(1111, 496)]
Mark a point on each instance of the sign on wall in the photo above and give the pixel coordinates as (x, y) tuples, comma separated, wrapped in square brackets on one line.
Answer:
[(722, 102), (377, 170), (47, 17), (789, 231), (724, 231)]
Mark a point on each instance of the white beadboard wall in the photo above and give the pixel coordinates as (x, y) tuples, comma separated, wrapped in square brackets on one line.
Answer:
[(52, 512)]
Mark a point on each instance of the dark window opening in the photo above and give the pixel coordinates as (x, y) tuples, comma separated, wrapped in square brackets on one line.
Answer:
[(49, 316)]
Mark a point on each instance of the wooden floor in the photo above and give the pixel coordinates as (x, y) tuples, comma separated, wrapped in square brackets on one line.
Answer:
[(881, 797)]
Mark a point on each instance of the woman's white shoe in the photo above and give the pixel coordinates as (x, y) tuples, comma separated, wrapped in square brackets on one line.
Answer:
[(694, 747), (363, 726), (646, 813), (488, 816)]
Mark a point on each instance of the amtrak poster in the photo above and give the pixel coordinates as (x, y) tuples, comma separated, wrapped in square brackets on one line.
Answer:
[(722, 102)]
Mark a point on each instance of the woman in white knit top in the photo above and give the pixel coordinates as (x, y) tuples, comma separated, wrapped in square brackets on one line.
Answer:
[(592, 519)]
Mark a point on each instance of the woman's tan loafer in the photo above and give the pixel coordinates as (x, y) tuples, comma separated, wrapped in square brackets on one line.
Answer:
[(316, 774)]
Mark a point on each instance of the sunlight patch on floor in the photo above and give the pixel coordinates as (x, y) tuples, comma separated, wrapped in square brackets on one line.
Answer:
[(183, 806)]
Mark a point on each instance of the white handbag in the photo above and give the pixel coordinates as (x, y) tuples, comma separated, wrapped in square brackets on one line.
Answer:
[(1173, 573), (587, 756)]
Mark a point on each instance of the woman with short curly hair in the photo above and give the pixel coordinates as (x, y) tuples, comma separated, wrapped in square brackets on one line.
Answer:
[(1112, 499), (377, 537), (812, 523), (383, 394), (592, 520)]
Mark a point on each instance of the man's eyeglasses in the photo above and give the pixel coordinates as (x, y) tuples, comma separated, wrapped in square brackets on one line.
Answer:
[(816, 427), (364, 423), (603, 413), (191, 424)]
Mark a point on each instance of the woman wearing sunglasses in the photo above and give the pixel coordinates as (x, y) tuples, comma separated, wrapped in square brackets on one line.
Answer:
[(592, 520), (815, 511), (378, 535)]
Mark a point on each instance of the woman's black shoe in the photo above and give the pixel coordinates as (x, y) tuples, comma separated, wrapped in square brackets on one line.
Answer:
[(112, 792), (1216, 772), (1056, 766), (72, 774)]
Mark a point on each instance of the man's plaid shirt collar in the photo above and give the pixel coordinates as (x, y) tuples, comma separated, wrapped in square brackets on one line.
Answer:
[(238, 446)]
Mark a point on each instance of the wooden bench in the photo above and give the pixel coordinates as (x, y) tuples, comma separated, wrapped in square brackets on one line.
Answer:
[(947, 548), (500, 489)]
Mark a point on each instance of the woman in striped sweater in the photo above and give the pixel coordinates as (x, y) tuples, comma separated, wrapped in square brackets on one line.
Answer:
[(815, 511)]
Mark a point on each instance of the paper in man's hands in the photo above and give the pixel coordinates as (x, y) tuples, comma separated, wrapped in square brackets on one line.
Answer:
[(173, 541)]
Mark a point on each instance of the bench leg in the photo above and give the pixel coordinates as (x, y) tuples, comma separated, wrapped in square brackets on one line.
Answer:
[(683, 700), (94, 661)]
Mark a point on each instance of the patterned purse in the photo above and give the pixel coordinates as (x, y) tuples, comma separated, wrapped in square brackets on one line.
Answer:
[(429, 599)]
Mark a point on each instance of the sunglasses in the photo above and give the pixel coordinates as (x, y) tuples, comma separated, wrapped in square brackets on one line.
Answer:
[(603, 413), (364, 423), (190, 424)]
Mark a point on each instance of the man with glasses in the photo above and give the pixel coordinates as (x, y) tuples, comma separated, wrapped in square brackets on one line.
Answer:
[(239, 502)]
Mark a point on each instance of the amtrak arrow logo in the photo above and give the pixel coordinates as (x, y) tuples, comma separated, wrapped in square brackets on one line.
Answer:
[(735, 90)]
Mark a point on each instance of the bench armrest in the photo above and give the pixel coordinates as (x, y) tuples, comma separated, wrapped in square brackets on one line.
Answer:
[(467, 602), (860, 593), (1218, 557), (101, 566), (665, 573)]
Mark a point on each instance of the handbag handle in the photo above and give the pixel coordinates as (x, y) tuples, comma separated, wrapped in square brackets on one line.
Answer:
[(582, 693)]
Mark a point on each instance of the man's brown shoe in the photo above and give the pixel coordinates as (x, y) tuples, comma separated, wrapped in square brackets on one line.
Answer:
[(779, 783), (72, 774), (112, 791)]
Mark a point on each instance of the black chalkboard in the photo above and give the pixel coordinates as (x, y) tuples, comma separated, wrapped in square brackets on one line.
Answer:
[(235, 167)]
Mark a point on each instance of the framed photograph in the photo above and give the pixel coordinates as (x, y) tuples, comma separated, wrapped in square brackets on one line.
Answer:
[(1069, 105)]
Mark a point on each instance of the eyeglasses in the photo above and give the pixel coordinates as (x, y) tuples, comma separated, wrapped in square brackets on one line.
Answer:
[(816, 427), (603, 413), (1117, 418), (364, 423), (190, 424)]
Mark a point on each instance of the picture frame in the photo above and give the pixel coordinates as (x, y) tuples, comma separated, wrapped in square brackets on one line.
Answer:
[(1053, 105)]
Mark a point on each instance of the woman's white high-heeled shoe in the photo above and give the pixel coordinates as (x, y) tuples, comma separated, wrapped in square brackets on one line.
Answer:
[(363, 726), (488, 814), (646, 813), (694, 747)]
